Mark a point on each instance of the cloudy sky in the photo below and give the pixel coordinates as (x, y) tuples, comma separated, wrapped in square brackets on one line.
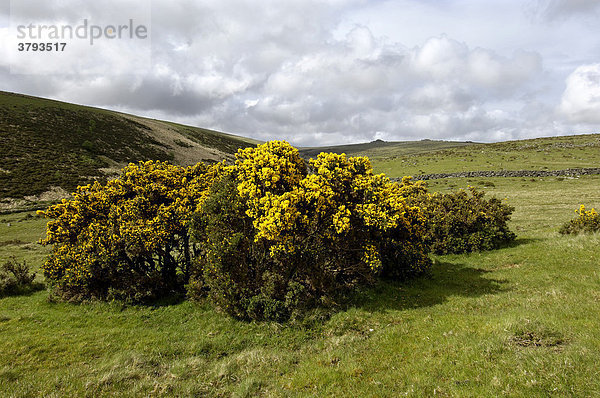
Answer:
[(326, 72)]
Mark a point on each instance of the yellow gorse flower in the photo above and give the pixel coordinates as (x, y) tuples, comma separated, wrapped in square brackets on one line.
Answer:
[(334, 195), (136, 218)]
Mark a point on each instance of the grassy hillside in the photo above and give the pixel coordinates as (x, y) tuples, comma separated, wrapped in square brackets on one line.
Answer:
[(398, 159), (522, 321), (50, 146), (553, 153), (384, 149)]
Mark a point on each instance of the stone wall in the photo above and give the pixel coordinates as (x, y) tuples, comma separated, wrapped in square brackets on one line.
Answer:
[(508, 173)]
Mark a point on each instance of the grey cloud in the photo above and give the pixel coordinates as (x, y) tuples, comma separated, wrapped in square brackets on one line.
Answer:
[(4, 13), (346, 90), (32, 85), (37, 11), (564, 8), (429, 90), (557, 10), (148, 94)]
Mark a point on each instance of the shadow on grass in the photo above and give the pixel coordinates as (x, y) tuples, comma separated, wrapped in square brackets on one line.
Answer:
[(520, 242), (167, 301), (442, 281), (23, 290)]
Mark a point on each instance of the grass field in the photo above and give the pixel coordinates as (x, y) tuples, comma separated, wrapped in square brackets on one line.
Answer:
[(553, 153), (521, 321)]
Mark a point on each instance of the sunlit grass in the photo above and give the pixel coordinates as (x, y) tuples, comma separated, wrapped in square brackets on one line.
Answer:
[(19, 234)]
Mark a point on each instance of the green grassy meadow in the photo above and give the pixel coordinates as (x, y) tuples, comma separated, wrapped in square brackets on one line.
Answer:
[(522, 321), (552, 153)]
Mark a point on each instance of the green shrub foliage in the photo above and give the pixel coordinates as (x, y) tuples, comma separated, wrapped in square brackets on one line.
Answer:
[(15, 277), (462, 221), (586, 221)]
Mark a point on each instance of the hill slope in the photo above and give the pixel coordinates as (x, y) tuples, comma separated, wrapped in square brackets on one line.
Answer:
[(541, 154), (48, 145), (379, 148), (427, 157)]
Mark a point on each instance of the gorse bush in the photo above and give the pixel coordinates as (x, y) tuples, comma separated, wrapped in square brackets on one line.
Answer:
[(586, 221), (129, 238), (282, 236), (462, 221), (267, 237), (15, 277)]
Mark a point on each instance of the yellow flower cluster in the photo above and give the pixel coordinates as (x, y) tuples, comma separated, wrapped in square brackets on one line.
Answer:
[(371, 257), (274, 167), (582, 212), (341, 220), (289, 203), (136, 220), (586, 220)]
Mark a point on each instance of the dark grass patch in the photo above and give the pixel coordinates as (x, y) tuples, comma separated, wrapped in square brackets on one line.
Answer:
[(486, 183), (532, 339), (534, 334), (12, 242), (444, 280), (25, 290)]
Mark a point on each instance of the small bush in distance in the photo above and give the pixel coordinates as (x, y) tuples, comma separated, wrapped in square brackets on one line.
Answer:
[(15, 277), (586, 221)]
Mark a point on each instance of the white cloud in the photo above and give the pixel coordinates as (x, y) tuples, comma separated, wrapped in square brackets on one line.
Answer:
[(581, 98)]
